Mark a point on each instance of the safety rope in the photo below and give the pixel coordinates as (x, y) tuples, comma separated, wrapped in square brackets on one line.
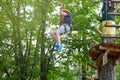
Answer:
[(106, 9)]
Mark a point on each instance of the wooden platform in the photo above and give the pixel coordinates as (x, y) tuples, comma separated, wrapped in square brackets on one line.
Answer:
[(116, 1), (97, 51)]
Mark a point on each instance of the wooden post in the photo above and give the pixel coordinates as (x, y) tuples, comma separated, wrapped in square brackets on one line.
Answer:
[(109, 69), (99, 70)]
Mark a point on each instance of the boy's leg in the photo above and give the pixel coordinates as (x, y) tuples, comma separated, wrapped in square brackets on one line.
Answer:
[(56, 36), (52, 34)]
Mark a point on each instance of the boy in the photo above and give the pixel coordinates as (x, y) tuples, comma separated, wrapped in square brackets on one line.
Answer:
[(63, 29)]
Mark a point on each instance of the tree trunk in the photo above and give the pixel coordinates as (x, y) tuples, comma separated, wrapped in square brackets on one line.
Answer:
[(43, 60), (99, 73), (109, 70)]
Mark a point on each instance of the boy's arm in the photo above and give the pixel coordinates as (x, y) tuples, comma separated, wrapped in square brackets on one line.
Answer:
[(63, 13)]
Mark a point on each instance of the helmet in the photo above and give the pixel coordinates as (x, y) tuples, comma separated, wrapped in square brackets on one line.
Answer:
[(65, 10)]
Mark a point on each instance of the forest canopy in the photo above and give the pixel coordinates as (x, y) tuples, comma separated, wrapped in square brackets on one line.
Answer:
[(27, 50)]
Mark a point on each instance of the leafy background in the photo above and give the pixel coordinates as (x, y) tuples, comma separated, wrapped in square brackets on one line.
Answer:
[(26, 49)]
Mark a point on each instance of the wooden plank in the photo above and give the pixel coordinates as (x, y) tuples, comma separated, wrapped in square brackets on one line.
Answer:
[(99, 59), (93, 53), (96, 42), (98, 31), (110, 45), (111, 36), (110, 48), (114, 13), (111, 25), (92, 66), (116, 1)]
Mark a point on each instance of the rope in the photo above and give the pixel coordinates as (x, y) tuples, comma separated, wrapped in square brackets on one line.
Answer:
[(106, 9)]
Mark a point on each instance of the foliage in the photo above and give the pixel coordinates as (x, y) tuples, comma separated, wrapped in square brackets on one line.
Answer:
[(26, 50)]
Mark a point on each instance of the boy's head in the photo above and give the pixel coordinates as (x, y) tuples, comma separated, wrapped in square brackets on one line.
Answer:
[(65, 10)]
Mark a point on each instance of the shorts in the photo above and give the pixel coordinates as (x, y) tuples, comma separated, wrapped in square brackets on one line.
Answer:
[(63, 30)]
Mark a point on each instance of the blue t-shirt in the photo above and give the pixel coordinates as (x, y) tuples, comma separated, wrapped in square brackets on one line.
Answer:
[(68, 18)]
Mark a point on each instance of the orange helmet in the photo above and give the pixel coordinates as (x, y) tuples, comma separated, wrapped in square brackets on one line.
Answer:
[(65, 10)]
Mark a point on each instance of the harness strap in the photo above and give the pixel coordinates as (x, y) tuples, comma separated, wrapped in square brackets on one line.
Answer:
[(65, 28)]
